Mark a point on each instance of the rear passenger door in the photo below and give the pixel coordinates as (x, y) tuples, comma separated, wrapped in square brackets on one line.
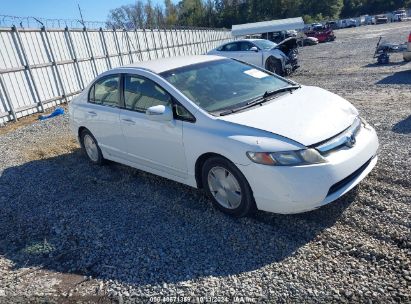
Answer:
[(155, 145), (101, 114)]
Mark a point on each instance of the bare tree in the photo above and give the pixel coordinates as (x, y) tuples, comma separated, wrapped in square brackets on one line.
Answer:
[(140, 14)]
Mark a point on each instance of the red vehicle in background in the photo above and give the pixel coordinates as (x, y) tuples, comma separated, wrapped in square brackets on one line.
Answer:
[(322, 33)]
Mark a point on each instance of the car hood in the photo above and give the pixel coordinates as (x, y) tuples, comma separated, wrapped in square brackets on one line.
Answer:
[(309, 115)]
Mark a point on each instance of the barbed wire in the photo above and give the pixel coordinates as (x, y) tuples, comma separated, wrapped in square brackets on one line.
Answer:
[(36, 22)]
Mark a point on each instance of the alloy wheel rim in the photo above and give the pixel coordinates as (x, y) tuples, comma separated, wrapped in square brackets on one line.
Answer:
[(91, 147), (224, 187)]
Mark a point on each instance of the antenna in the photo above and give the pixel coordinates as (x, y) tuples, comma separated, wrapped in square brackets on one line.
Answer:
[(81, 15)]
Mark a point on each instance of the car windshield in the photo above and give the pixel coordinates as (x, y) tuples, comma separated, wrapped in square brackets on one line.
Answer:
[(223, 84), (265, 44)]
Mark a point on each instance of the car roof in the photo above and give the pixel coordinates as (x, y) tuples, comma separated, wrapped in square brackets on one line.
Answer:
[(170, 63), (251, 39)]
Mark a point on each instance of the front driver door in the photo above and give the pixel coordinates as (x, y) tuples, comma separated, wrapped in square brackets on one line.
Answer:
[(154, 144), (248, 55), (231, 50)]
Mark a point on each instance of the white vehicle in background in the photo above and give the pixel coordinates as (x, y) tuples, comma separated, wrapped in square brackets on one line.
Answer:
[(351, 23), (277, 58), (369, 20), (399, 15), (407, 53), (248, 137)]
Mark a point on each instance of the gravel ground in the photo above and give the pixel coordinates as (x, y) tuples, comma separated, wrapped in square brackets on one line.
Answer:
[(71, 231)]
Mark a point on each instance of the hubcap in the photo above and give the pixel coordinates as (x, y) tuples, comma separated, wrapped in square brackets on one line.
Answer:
[(91, 147), (224, 187)]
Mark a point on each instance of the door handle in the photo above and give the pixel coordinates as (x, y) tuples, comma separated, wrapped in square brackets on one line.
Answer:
[(129, 121), (91, 113)]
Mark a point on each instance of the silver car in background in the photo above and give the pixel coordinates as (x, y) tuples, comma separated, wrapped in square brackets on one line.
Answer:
[(278, 58)]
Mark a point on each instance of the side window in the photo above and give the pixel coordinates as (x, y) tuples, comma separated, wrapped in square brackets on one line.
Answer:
[(106, 91), (245, 46), (141, 93), (182, 113), (231, 47)]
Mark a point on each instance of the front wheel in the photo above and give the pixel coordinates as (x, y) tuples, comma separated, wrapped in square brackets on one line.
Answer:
[(227, 187), (274, 65)]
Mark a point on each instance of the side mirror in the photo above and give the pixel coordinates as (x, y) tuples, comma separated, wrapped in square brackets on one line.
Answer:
[(159, 113), (254, 49)]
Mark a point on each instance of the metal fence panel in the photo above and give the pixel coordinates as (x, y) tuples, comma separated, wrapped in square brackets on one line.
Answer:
[(44, 67)]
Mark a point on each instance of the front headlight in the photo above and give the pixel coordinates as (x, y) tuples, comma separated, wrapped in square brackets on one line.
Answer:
[(287, 158)]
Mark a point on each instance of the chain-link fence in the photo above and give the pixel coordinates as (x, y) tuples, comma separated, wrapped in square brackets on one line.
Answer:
[(43, 67)]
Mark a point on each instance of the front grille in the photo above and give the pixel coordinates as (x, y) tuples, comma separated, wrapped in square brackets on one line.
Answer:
[(337, 186), (346, 138)]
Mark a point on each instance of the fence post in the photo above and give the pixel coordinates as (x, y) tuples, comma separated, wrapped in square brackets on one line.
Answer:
[(7, 98), (186, 43), (73, 53), (168, 48), (49, 51), (175, 48), (204, 40), (217, 38), (179, 39), (24, 60), (198, 41), (154, 41), (128, 45), (201, 41), (117, 46), (104, 44), (190, 47), (138, 43), (192, 40), (90, 50), (161, 42), (147, 47), (182, 41), (212, 38)]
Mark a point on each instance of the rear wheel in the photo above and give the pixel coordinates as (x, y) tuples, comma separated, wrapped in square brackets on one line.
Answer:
[(227, 187), (91, 148), (274, 65)]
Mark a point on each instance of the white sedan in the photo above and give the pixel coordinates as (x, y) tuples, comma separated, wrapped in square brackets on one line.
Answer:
[(278, 58), (251, 139)]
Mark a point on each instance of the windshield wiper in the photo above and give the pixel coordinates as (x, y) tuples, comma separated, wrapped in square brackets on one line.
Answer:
[(261, 99), (280, 90), (251, 103)]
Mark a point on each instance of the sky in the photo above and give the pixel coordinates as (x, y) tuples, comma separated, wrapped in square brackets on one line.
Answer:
[(93, 10)]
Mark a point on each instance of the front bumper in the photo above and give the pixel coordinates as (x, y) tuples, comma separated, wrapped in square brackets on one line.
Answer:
[(298, 189)]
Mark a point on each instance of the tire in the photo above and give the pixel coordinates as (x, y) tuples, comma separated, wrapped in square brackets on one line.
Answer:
[(227, 187), (274, 65), (90, 147)]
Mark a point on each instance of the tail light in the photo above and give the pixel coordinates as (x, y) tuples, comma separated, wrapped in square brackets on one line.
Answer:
[(409, 38)]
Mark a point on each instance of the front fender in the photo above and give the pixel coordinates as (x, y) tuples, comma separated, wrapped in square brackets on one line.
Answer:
[(277, 54)]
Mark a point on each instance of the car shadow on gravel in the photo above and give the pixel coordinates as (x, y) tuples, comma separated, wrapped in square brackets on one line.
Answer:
[(114, 222), (378, 65), (402, 77), (403, 127)]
